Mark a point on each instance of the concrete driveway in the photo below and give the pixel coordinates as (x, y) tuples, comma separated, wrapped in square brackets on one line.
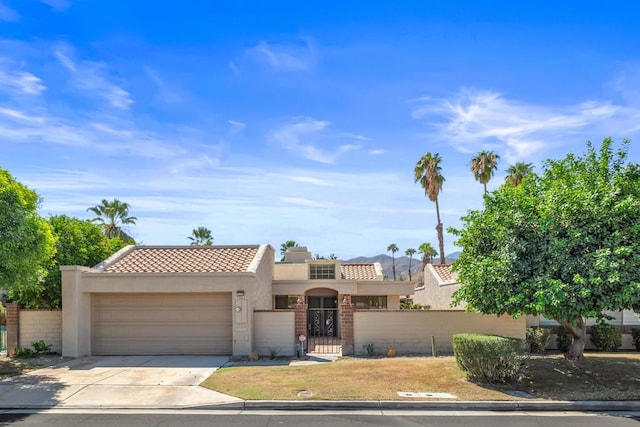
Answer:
[(117, 382)]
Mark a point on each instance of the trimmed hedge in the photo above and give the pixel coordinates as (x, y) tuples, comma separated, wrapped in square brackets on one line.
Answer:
[(489, 358), (606, 337)]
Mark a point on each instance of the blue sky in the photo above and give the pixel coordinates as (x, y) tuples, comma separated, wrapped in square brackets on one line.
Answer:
[(270, 121)]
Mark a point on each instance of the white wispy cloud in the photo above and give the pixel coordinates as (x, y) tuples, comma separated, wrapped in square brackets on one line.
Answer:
[(167, 93), (91, 78), (311, 180), (284, 56), (235, 127), (473, 120), (21, 82), (305, 135), (377, 152)]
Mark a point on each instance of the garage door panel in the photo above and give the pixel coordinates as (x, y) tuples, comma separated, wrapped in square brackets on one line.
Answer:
[(162, 324)]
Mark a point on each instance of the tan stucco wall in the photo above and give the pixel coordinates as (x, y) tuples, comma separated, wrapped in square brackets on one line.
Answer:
[(37, 325), (343, 287), (294, 271), (276, 330), (411, 331), (435, 293)]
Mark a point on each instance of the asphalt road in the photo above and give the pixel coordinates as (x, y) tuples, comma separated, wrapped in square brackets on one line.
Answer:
[(313, 419)]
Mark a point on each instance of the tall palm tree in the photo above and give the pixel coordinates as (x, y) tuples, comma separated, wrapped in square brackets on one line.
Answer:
[(393, 249), (111, 216), (284, 247), (483, 165), (201, 236), (428, 173), (517, 172), (428, 252), (410, 252)]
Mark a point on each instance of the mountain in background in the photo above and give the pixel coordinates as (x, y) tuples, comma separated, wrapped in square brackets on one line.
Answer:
[(402, 264)]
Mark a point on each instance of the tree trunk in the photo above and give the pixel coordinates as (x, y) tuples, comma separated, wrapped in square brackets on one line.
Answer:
[(394, 268), (440, 234), (409, 268), (579, 334)]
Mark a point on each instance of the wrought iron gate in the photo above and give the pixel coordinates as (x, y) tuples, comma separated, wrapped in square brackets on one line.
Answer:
[(323, 326)]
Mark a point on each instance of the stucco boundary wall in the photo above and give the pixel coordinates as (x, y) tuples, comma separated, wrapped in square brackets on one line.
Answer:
[(274, 330), (41, 325), (410, 332)]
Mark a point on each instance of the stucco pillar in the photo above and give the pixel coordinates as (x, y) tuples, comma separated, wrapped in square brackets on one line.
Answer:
[(76, 313), (346, 326), (301, 320), (13, 326)]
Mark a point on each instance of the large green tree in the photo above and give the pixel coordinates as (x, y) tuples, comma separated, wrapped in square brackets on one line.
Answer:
[(565, 245), (78, 242), (483, 165), (26, 241), (429, 174), (112, 215), (201, 236)]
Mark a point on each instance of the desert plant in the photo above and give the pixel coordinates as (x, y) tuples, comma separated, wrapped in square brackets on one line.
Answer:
[(25, 353), (273, 352), (489, 358), (606, 337), (564, 340), (369, 349), (41, 347), (635, 335), (538, 339)]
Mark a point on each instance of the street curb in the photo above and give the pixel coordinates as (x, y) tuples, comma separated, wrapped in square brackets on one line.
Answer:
[(518, 405)]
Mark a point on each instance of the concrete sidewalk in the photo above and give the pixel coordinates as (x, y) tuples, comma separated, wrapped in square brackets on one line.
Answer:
[(118, 382)]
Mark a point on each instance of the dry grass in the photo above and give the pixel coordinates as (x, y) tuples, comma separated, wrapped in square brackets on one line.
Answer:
[(599, 377)]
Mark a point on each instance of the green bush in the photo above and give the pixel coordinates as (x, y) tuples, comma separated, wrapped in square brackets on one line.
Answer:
[(538, 339), (606, 337), (489, 358), (635, 335), (564, 340), (39, 348)]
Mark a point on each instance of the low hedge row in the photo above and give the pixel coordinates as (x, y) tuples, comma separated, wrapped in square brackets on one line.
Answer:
[(489, 358)]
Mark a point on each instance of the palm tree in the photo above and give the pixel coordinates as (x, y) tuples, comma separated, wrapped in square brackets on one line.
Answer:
[(409, 252), (201, 236), (284, 247), (483, 165), (393, 249), (517, 172), (428, 252), (111, 216), (428, 173)]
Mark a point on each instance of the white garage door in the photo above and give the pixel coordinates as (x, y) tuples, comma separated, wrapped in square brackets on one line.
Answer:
[(128, 324)]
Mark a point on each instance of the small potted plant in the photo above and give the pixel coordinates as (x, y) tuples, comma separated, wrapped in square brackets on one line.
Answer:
[(391, 351)]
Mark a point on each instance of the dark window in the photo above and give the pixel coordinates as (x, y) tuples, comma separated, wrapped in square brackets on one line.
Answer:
[(284, 302), (322, 271), (369, 302)]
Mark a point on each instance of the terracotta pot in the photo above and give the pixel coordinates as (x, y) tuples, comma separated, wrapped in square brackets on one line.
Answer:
[(391, 352)]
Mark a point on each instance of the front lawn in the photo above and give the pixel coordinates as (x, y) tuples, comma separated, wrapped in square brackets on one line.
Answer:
[(613, 376)]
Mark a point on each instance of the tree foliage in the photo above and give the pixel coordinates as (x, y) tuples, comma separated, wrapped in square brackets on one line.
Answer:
[(428, 173), (201, 236), (26, 241), (483, 165), (517, 172), (112, 216), (565, 245), (410, 253), (78, 242), (284, 247)]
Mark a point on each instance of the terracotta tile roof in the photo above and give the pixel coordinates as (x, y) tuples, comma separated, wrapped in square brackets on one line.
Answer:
[(359, 272), (444, 271), (184, 259)]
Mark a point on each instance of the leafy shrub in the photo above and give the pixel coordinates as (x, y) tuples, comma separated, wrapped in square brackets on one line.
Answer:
[(606, 337), (489, 358), (41, 347), (38, 348), (564, 339), (274, 352), (635, 335), (538, 339)]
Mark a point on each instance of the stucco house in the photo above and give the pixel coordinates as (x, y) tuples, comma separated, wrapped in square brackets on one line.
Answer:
[(439, 285), (216, 300)]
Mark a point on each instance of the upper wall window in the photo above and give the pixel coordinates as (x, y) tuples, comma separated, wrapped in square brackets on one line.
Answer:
[(322, 271)]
